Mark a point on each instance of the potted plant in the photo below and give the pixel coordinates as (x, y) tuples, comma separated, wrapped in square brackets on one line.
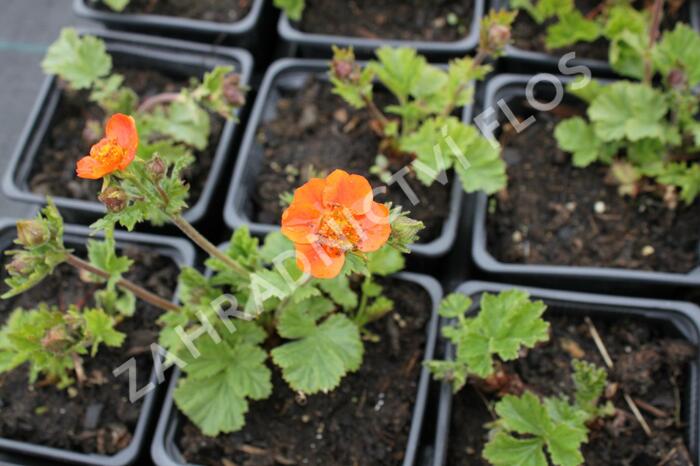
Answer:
[(242, 23), (72, 331), (436, 29), (392, 119), (313, 299), (566, 379), (106, 72), (612, 196), (543, 31)]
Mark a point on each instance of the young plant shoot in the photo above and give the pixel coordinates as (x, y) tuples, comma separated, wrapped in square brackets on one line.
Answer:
[(307, 295), (528, 429), (421, 128)]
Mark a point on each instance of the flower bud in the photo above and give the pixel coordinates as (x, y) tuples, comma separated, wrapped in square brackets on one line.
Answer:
[(21, 265), (55, 340), (114, 199), (342, 69), (156, 168), (404, 231), (676, 79), (31, 233), (232, 90), (498, 37)]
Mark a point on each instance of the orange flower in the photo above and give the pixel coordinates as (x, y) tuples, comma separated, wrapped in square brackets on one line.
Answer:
[(114, 152), (331, 217)]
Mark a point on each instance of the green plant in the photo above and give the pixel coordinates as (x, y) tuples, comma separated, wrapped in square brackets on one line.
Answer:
[(116, 5), (506, 324), (421, 128), (641, 129), (526, 424), (172, 123), (292, 8)]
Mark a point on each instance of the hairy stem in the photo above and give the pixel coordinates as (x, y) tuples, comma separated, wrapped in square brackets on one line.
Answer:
[(151, 102), (374, 110), (138, 291), (657, 12)]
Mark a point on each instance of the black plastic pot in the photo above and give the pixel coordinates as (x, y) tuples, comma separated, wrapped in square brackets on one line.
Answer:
[(287, 75), (243, 33), (19, 452), (599, 279), (519, 60), (680, 319), (307, 44), (172, 56), (165, 452)]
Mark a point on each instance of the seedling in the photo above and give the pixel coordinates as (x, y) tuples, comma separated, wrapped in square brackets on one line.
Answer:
[(307, 295), (292, 8), (420, 128), (644, 130)]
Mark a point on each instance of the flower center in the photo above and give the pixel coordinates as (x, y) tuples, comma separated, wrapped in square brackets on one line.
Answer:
[(110, 153), (339, 230)]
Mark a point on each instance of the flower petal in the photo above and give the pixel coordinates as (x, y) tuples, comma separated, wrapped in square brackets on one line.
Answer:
[(123, 128), (311, 193), (300, 222), (318, 261), (351, 191), (375, 227), (90, 169)]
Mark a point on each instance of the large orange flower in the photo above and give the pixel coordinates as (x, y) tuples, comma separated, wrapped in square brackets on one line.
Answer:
[(330, 217), (113, 152)]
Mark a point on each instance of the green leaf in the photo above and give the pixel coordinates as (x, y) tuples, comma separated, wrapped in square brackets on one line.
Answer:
[(339, 290), (524, 414), (116, 5), (276, 245), (99, 328), (587, 92), (78, 60), (628, 110), (679, 49), (576, 136), (505, 450), (485, 170), (183, 120), (322, 356), (385, 261), (103, 255), (685, 176), (292, 8), (211, 404), (590, 382), (399, 69), (455, 305), (564, 445), (572, 28)]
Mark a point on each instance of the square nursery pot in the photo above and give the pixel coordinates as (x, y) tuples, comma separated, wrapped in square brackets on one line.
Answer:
[(290, 75), (165, 451), (679, 320), (509, 88), (520, 60), (172, 57), (307, 44), (17, 452), (247, 32)]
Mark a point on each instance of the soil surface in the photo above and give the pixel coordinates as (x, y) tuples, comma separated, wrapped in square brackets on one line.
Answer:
[(648, 364), (365, 421), (428, 20), (220, 11), (554, 213), (314, 133), (528, 35), (98, 416), (66, 141)]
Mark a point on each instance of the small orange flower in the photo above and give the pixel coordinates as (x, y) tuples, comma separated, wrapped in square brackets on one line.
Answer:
[(330, 217), (113, 152)]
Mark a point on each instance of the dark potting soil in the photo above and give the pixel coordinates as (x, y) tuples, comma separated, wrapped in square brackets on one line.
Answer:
[(365, 421), (648, 364), (66, 141), (428, 20), (220, 11), (548, 214), (314, 133), (96, 417), (528, 35)]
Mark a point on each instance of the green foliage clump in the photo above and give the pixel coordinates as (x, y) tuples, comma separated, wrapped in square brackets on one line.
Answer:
[(292, 8)]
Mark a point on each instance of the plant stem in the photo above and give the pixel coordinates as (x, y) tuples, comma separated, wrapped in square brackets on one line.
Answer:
[(374, 110), (138, 291), (206, 245), (158, 99), (657, 12)]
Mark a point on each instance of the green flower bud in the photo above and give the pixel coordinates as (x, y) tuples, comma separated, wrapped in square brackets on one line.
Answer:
[(114, 199), (32, 233)]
